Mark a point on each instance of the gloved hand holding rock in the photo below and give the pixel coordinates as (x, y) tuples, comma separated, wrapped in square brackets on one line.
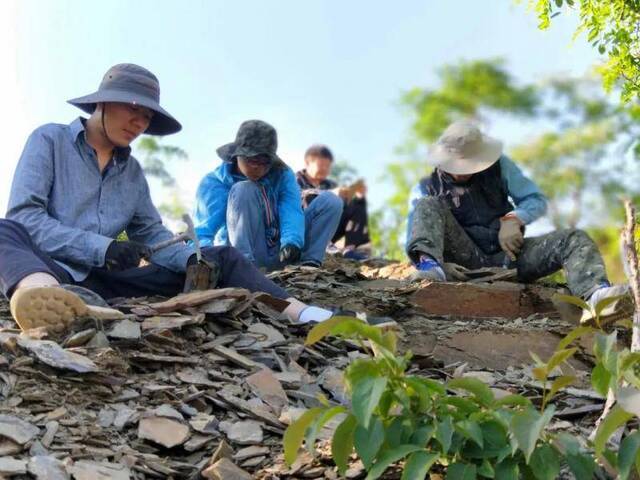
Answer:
[(511, 237), (456, 272), (125, 255)]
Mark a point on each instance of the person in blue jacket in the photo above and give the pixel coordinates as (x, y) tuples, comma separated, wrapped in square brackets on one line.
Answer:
[(472, 210), (253, 203)]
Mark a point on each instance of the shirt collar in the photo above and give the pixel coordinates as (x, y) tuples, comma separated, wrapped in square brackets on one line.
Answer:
[(77, 127)]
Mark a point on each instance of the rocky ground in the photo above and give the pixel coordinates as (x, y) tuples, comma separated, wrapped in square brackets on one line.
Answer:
[(179, 389)]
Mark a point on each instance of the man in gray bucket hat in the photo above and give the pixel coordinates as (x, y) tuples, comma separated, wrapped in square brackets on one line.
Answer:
[(75, 189), (462, 216), (253, 202)]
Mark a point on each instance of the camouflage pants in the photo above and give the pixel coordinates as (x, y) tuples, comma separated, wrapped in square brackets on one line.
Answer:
[(436, 232)]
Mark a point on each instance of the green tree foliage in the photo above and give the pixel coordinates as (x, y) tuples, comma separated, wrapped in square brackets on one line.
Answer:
[(611, 26), (155, 158), (579, 161)]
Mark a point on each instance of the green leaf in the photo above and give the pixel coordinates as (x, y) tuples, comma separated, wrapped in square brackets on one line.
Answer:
[(422, 435), (577, 301), (316, 426), (471, 430), (616, 418), (294, 434), (365, 396), (323, 329), (629, 360), (581, 464), (461, 471), (605, 302), (479, 389), (513, 400), (573, 335), (418, 465), (559, 357), (526, 428), (604, 350), (545, 462), (629, 400), (358, 328), (463, 405), (486, 470), (627, 455), (507, 470), (369, 440), (600, 379), (444, 432), (558, 384), (342, 443), (389, 457)]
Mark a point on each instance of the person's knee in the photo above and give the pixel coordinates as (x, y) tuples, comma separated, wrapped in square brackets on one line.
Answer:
[(576, 235), (430, 203), (244, 190), (11, 227), (223, 255), (328, 201)]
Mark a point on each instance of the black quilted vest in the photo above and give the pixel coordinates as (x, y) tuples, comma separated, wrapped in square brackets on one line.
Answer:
[(477, 205)]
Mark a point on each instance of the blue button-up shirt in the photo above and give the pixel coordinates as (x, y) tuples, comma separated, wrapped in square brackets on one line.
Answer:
[(73, 211)]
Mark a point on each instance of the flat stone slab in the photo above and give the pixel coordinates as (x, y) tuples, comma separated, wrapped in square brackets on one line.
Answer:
[(17, 429), (500, 299)]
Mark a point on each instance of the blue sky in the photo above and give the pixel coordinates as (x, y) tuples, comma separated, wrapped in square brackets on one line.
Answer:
[(319, 71)]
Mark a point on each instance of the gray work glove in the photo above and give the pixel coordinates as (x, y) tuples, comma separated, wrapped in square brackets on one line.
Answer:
[(456, 272), (511, 237)]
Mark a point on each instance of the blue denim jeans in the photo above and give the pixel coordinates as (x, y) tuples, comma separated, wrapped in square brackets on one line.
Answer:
[(250, 234)]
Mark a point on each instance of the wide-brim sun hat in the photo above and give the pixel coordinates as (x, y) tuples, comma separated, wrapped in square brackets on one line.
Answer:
[(463, 149), (254, 137), (135, 85)]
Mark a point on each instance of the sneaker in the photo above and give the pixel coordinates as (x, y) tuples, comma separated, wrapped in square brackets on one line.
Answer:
[(617, 310), (381, 322), (310, 263), (55, 308), (428, 269), (355, 255)]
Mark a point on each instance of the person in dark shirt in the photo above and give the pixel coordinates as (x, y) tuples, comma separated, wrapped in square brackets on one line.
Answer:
[(472, 211), (354, 223)]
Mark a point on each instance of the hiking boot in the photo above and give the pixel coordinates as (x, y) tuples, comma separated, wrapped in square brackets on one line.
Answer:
[(617, 310), (56, 307), (428, 269)]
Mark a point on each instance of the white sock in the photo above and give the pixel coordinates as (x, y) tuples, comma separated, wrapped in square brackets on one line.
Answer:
[(314, 314)]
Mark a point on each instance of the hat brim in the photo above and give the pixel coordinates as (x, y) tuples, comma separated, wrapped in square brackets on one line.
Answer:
[(458, 165), (162, 122), (230, 151)]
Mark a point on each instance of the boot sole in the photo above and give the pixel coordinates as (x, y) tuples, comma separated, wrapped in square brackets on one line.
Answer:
[(51, 307)]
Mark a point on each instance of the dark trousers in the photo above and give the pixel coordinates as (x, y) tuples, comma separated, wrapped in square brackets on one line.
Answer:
[(19, 257), (437, 233), (354, 224)]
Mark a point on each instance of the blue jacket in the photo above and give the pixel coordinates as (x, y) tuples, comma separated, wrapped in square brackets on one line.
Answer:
[(213, 193)]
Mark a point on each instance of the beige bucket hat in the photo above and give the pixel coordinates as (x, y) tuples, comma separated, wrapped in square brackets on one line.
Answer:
[(464, 150)]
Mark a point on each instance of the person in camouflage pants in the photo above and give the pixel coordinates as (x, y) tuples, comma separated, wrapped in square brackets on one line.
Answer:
[(461, 217)]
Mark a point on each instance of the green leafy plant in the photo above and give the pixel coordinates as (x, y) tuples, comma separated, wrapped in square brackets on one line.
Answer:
[(424, 423), (611, 27)]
